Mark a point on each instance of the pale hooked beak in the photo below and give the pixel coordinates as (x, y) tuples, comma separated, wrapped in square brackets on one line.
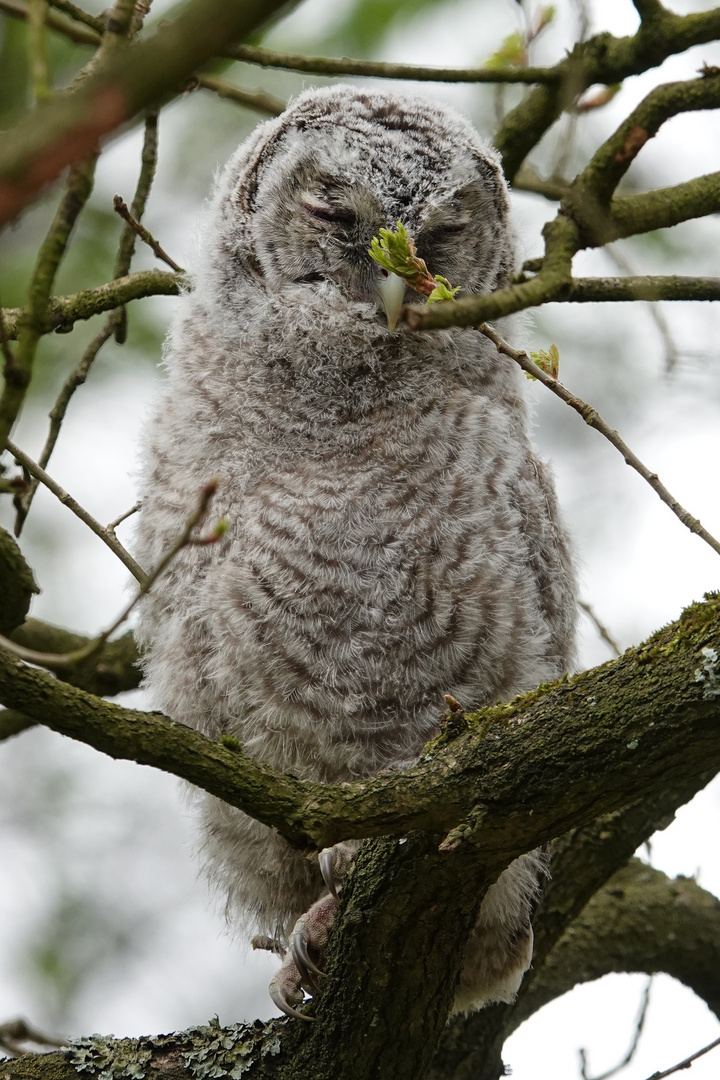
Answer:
[(391, 293)]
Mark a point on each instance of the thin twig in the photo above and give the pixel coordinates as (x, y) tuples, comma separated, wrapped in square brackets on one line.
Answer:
[(126, 247), (553, 188), (63, 661), (592, 419), (38, 13), (686, 1062), (251, 99), (13, 1033), (115, 324), (123, 517), (97, 22), (107, 537), (324, 65), (120, 207), (57, 415), (601, 629), (639, 1025), (77, 191)]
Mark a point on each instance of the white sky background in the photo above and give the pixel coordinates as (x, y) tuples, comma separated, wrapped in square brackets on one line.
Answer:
[(114, 839)]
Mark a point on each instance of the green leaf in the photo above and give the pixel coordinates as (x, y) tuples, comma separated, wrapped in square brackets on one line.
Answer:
[(442, 290), (512, 52)]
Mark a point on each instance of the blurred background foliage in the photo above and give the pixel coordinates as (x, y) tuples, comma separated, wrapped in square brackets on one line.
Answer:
[(104, 926)]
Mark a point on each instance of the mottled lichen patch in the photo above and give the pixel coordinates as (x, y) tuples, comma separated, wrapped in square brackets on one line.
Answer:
[(208, 1052), (709, 673)]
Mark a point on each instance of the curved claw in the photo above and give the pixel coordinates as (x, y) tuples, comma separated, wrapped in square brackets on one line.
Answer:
[(283, 1006), (326, 862), (301, 957)]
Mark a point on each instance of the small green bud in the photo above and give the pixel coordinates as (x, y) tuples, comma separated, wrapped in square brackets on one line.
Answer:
[(549, 362)]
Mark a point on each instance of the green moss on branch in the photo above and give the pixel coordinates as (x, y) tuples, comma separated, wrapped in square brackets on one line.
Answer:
[(64, 311), (578, 749)]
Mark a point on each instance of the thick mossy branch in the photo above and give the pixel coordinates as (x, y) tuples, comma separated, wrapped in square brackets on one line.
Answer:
[(582, 861), (546, 762), (17, 584), (64, 311), (195, 1054), (597, 182), (627, 215), (639, 921), (602, 59), (113, 672)]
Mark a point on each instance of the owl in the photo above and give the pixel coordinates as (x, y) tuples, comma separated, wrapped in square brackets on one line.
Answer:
[(393, 538)]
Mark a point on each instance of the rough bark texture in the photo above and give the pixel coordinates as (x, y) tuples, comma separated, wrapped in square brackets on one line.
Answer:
[(641, 921)]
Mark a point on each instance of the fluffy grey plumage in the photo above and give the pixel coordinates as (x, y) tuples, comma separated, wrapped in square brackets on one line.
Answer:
[(393, 538)]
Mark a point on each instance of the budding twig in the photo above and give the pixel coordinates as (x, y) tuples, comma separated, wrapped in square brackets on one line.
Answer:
[(395, 251), (594, 420)]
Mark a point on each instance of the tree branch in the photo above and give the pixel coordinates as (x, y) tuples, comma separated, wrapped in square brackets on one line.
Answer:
[(594, 420), (629, 215), (325, 65), (639, 921), (97, 22), (579, 749), (116, 671), (601, 59), (649, 9), (104, 534), (588, 199), (582, 861), (64, 311), (642, 287), (70, 126), (659, 209), (259, 100), (30, 328), (77, 33)]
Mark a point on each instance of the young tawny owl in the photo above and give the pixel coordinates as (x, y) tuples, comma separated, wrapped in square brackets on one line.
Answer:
[(392, 536)]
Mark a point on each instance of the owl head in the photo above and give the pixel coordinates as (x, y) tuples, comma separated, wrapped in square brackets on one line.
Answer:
[(299, 202)]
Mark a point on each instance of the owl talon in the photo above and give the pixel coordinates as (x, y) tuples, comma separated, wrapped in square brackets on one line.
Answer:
[(301, 957), (327, 869), (334, 863), (281, 1004)]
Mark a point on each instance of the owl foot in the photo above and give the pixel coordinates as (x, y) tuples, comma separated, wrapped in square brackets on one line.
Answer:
[(299, 970), (334, 864)]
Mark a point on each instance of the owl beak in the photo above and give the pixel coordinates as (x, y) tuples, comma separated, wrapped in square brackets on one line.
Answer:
[(391, 293)]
